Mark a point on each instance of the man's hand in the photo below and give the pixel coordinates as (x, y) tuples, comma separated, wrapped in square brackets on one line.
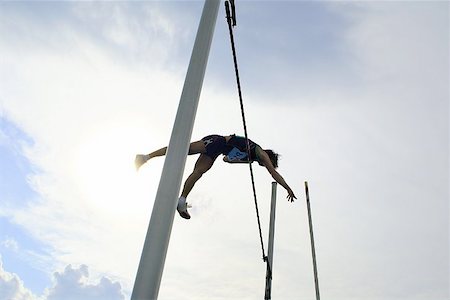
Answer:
[(291, 195)]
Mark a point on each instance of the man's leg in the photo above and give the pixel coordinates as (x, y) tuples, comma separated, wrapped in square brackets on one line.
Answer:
[(203, 164), (194, 148)]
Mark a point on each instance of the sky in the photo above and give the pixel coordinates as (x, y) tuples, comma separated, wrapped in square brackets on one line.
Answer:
[(354, 95)]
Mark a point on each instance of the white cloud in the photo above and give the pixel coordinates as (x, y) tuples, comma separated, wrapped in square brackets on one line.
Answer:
[(72, 283), (404, 47), (87, 184), (89, 110), (10, 243), (3, 138), (12, 287)]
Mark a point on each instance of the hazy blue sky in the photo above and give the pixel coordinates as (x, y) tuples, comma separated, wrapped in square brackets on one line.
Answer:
[(354, 95)]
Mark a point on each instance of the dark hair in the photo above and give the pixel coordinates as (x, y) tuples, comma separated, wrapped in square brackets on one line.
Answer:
[(273, 157)]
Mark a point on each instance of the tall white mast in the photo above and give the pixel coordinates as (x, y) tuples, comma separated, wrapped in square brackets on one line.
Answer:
[(148, 278), (269, 262)]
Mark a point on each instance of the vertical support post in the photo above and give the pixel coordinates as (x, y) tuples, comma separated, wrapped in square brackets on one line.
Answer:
[(149, 274), (313, 249), (269, 260)]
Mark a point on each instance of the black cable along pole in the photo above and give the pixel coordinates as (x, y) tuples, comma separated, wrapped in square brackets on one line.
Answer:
[(313, 249), (232, 20)]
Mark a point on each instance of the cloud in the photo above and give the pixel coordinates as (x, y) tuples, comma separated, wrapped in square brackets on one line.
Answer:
[(72, 283), (12, 287), (88, 111), (406, 46), (10, 243), (297, 54), (90, 99)]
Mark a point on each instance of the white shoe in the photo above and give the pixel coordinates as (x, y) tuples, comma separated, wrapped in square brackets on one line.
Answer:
[(182, 208)]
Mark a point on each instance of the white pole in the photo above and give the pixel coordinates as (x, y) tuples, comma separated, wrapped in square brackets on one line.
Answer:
[(148, 277), (269, 262), (313, 248)]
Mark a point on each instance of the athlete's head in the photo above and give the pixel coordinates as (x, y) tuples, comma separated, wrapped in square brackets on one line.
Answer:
[(273, 157)]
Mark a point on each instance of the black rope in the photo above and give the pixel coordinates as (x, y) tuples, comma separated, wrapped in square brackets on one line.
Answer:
[(231, 20)]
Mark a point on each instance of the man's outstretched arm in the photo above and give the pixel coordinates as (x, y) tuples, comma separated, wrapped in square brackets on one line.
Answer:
[(275, 175)]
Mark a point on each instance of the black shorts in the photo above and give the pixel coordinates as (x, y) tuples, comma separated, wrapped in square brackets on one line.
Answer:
[(215, 145)]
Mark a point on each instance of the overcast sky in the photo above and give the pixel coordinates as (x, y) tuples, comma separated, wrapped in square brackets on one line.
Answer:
[(353, 95)]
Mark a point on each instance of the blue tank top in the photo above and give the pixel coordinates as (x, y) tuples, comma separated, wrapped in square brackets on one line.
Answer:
[(237, 147)]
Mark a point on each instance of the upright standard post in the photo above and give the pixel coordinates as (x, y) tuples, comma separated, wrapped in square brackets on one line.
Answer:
[(269, 261), (148, 278), (313, 249)]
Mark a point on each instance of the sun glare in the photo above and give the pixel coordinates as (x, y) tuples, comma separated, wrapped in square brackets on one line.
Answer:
[(106, 173)]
